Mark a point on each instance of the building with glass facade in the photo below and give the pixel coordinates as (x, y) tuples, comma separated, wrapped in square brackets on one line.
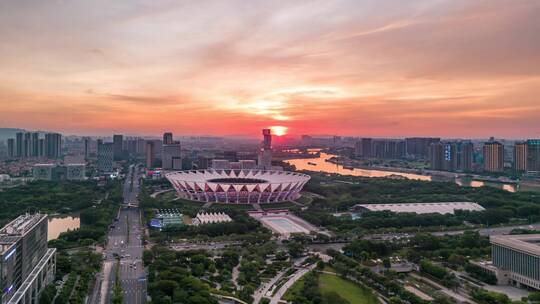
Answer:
[(27, 266), (517, 259)]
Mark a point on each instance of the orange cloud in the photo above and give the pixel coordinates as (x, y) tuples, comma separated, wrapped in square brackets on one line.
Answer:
[(377, 68)]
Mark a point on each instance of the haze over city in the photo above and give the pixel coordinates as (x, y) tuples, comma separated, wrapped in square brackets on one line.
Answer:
[(374, 68)]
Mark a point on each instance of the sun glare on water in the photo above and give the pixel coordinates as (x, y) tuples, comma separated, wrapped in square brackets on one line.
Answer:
[(279, 130)]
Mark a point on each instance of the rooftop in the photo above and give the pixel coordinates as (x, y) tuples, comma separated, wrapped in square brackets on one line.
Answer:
[(528, 243), (442, 208), (14, 230)]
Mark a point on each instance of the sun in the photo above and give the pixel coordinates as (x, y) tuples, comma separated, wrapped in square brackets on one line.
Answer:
[(279, 130)]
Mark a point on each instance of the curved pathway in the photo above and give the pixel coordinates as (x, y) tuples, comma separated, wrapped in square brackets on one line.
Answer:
[(297, 275)]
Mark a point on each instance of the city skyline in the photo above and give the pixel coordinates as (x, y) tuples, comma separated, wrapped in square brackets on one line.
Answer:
[(454, 69)]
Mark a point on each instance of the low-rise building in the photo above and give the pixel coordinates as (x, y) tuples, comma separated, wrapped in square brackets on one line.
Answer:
[(76, 172), (211, 218), (421, 208), (516, 260), (167, 217), (53, 172)]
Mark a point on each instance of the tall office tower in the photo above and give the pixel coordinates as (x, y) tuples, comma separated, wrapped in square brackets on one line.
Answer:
[(28, 266), (27, 145), (19, 144), (105, 157), (493, 153), (41, 147), (35, 144), (150, 154), (265, 153), (520, 156), (466, 153), (118, 143), (533, 155), (436, 156), (418, 147), (86, 147), (11, 148), (53, 145), (167, 138), (172, 157)]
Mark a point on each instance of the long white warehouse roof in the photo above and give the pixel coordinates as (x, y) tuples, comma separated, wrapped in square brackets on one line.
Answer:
[(420, 208)]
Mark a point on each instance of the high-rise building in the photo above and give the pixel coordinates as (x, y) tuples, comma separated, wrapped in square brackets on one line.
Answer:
[(150, 154), (466, 154), (172, 157), (11, 148), (167, 138), (141, 146), (86, 147), (533, 155), (53, 145), (41, 149), (418, 147), (358, 148), (378, 148), (265, 153), (520, 156), (130, 145), (493, 153), (364, 148), (19, 144), (105, 156), (27, 145), (28, 266), (118, 144), (436, 156), (450, 157), (367, 147), (203, 162), (35, 145)]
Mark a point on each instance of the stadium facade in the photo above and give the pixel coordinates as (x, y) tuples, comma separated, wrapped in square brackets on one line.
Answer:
[(238, 186)]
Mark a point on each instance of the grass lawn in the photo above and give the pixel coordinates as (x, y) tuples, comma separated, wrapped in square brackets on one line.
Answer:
[(347, 290), (294, 290)]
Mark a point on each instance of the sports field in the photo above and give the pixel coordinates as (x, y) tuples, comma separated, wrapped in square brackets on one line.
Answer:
[(347, 290)]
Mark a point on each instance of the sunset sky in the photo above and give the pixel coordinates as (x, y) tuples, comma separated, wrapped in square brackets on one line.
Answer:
[(368, 68)]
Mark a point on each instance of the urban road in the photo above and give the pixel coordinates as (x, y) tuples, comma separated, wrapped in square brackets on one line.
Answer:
[(124, 250)]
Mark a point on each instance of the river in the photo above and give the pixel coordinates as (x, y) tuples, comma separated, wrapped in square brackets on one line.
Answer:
[(59, 224), (321, 164)]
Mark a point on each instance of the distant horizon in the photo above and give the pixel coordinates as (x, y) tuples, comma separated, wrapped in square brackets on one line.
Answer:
[(257, 136)]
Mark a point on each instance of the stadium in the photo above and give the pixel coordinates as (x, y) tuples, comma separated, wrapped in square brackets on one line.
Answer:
[(238, 186)]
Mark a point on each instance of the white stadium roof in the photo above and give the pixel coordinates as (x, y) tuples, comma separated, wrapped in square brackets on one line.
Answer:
[(238, 186), (442, 208)]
